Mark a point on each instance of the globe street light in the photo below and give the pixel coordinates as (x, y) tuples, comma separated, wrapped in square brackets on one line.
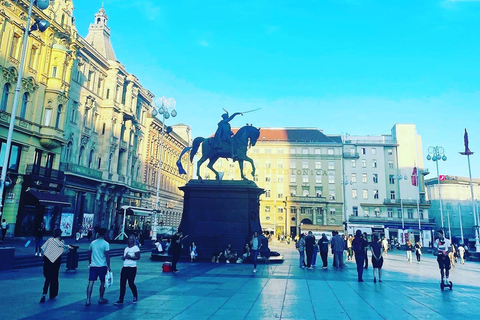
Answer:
[(165, 107), (436, 154), (40, 25)]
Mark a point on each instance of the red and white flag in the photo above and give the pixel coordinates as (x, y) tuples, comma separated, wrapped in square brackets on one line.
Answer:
[(414, 177), (441, 177)]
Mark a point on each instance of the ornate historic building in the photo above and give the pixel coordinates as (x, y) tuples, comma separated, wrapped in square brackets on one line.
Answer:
[(36, 192)]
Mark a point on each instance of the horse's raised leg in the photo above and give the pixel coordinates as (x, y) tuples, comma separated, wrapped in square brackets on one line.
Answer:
[(240, 163), (210, 166)]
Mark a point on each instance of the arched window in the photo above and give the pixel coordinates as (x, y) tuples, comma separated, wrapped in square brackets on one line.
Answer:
[(23, 110), (68, 151), (5, 94), (90, 158), (59, 116), (80, 155), (109, 162)]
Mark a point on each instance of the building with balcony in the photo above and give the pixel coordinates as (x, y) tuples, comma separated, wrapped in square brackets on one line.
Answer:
[(383, 192), (36, 194), (457, 205), (300, 170)]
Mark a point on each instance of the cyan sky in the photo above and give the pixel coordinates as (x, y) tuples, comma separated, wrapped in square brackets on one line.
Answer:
[(343, 66)]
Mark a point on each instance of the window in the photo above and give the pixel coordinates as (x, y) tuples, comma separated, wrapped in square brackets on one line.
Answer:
[(390, 164), (280, 179), (23, 109), (354, 194), (280, 164), (354, 178), (304, 151), (280, 210), (59, 116), (374, 151), (353, 163), (267, 209), (292, 151), (293, 192), (15, 152), (332, 211), (390, 152), (375, 178), (375, 194), (95, 122), (304, 164), (267, 179), (255, 178), (293, 178), (33, 57), (267, 193), (390, 212), (68, 152), (331, 194), (54, 71), (280, 151), (305, 192), (80, 155), (352, 151), (364, 163), (5, 94), (268, 164), (318, 193), (391, 179), (331, 165), (331, 178), (365, 212), (374, 163), (305, 179), (377, 212), (421, 214), (318, 164), (399, 213), (48, 117), (90, 158), (99, 86), (355, 211), (108, 94), (73, 114), (363, 150), (365, 194), (318, 151), (330, 151), (14, 48), (410, 213), (280, 194), (318, 179), (293, 210), (392, 195), (293, 164), (268, 151)]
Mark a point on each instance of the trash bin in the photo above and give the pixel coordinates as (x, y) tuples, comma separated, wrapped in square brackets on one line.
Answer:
[(72, 258)]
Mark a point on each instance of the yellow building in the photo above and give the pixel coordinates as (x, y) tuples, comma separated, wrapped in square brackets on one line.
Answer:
[(300, 170), (35, 194)]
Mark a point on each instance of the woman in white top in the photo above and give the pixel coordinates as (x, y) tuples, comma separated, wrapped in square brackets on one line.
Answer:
[(130, 256), (193, 251), (256, 245)]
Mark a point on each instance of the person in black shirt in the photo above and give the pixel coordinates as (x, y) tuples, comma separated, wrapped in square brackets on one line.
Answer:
[(39, 233), (323, 246), (176, 248), (309, 241), (359, 244)]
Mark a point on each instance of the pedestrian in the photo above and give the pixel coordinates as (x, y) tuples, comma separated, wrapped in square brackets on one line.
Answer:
[(418, 251), (338, 246), (409, 248), (309, 241), (365, 237), (99, 262), (377, 258), (300, 245), (349, 247), (176, 248), (39, 233), (193, 251), (131, 255), (315, 252), (385, 246), (53, 249), (461, 252), (4, 229), (359, 244), (323, 246), (255, 245)]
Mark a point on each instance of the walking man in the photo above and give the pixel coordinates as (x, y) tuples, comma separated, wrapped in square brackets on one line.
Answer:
[(338, 245), (99, 262)]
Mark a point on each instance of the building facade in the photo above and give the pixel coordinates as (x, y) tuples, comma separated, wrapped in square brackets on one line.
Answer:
[(384, 185), (300, 170), (459, 220)]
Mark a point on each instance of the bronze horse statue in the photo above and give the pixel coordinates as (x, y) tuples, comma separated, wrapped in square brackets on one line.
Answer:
[(246, 136)]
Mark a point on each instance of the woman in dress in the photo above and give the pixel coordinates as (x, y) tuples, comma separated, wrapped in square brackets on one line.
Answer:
[(377, 258)]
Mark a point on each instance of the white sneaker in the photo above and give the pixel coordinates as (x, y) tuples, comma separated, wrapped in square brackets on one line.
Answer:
[(254, 270), (228, 261), (36, 254), (39, 254)]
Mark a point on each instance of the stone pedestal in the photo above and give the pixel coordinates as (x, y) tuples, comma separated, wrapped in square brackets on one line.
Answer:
[(218, 213)]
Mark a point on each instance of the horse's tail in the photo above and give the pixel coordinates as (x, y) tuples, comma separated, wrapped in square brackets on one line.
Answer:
[(195, 146)]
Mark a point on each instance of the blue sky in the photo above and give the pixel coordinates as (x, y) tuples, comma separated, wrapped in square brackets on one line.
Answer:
[(343, 66)]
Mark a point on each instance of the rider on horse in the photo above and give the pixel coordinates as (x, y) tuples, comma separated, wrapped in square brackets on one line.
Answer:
[(223, 135)]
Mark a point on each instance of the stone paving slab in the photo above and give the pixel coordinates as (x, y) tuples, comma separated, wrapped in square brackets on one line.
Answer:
[(232, 291)]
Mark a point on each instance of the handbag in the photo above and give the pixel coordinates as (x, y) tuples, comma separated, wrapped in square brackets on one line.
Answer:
[(108, 279)]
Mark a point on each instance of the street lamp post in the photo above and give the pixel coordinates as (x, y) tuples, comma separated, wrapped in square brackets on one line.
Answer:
[(436, 154), (40, 25), (165, 107), (345, 182)]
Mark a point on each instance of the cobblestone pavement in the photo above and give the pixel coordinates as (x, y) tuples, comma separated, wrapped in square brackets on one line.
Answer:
[(233, 291)]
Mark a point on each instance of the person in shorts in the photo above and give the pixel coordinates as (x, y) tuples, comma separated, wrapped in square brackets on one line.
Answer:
[(99, 262), (442, 246)]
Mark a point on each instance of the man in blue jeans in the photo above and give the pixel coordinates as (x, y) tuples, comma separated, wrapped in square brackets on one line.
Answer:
[(99, 263), (338, 246)]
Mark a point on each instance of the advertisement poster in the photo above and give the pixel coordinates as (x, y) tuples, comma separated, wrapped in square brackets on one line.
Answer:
[(87, 223), (66, 224)]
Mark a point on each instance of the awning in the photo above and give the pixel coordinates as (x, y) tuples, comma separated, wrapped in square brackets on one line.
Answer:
[(314, 227), (137, 211), (50, 199)]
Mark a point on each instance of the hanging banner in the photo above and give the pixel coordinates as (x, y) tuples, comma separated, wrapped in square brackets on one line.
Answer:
[(66, 224), (87, 223)]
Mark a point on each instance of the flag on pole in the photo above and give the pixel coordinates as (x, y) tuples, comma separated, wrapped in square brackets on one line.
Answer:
[(414, 177), (441, 177), (465, 141)]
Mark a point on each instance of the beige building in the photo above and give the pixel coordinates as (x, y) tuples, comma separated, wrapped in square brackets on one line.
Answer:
[(300, 170)]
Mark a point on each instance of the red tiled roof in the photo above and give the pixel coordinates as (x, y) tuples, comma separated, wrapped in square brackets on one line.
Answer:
[(295, 134)]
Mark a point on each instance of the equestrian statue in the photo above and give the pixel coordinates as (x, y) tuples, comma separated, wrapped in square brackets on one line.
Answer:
[(224, 144)]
